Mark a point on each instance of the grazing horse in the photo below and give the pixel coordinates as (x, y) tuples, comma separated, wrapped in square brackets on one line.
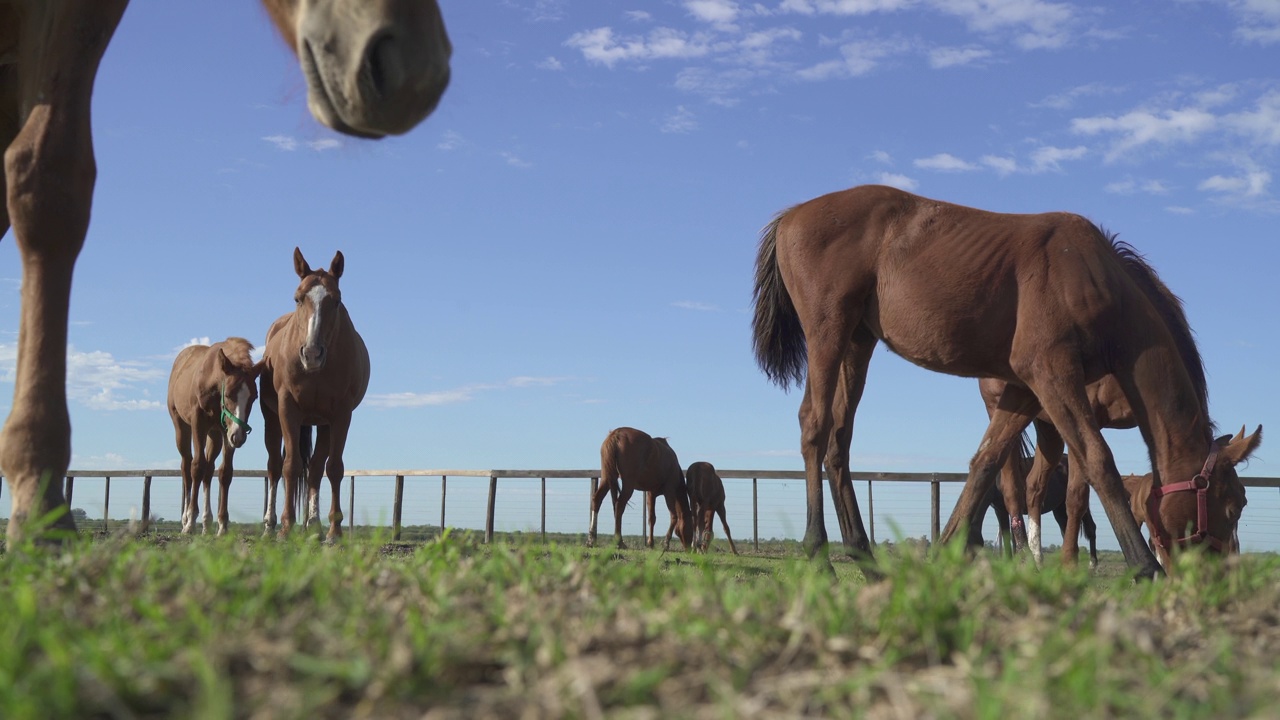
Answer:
[(647, 464), (1056, 498), (706, 499), (1043, 302), (317, 371), (211, 393), (372, 69)]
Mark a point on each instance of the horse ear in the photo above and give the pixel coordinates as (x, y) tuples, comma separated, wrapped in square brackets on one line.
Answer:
[(225, 363), (335, 267), (300, 265), (1241, 447)]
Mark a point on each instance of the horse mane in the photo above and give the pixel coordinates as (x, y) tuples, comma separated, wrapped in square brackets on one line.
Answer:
[(1169, 307), (239, 351)]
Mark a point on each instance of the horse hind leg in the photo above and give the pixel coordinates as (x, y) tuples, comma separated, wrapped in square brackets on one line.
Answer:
[(850, 383), (1048, 453), (728, 536)]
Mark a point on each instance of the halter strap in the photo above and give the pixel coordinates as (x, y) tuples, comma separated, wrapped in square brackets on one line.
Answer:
[(1198, 484), (227, 414)]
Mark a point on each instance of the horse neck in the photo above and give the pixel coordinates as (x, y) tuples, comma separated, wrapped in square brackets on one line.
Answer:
[(1177, 432)]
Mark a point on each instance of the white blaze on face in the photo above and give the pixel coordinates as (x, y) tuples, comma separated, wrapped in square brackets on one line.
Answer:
[(241, 405), (316, 295)]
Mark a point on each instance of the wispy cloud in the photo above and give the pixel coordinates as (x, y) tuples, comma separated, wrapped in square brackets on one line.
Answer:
[(288, 143), (463, 394), (945, 57), (680, 121), (1259, 20), (1045, 158), (1068, 98), (945, 162), (550, 63), (1129, 186), (602, 45), (693, 305), (898, 180)]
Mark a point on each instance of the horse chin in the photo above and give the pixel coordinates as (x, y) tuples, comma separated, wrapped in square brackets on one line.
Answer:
[(237, 438)]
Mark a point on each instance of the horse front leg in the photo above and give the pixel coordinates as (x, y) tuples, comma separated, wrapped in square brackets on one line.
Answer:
[(225, 473), (293, 466), (337, 442), (651, 507), (1048, 453)]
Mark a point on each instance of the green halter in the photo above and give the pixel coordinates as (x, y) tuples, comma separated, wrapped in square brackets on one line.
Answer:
[(227, 414)]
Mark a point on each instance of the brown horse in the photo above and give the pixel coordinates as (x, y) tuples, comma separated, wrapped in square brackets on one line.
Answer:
[(211, 393), (706, 499), (647, 464), (1043, 302), (372, 69), (1055, 498), (317, 371)]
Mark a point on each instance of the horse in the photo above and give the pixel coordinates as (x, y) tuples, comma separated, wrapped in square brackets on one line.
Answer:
[(706, 498), (647, 464), (316, 373), (211, 393), (1042, 301), (372, 69), (1056, 498)]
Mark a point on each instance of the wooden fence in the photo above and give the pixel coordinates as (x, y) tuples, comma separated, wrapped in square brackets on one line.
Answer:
[(934, 480)]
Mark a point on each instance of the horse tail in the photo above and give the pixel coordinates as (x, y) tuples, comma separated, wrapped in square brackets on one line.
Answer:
[(778, 337), (300, 483), (609, 465)]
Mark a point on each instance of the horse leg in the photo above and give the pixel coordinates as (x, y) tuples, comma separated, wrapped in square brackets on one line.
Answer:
[(200, 470), (619, 506), (651, 507), (605, 487), (320, 454), (291, 435), (225, 472), (1090, 532), (671, 528), (728, 536), (49, 174), (850, 383), (1008, 419), (182, 431), (274, 439), (1048, 454), (1013, 493), (997, 505), (337, 443), (1058, 381), (1076, 507), (212, 448)]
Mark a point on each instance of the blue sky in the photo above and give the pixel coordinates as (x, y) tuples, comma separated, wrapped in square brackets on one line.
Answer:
[(566, 245)]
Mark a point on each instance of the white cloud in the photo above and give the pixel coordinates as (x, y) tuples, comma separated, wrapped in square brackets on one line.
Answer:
[(1048, 157), (550, 63), (843, 7), (945, 162), (1002, 165), (325, 144), (1259, 20), (1068, 98), (1034, 24), (1179, 210), (514, 160), (451, 141), (881, 156), (1260, 124), (692, 305), (1250, 184), (681, 121), (1129, 186), (898, 180), (946, 57), (98, 380), (857, 58), (1142, 127), (638, 16), (602, 46), (457, 395), (282, 142), (717, 12)]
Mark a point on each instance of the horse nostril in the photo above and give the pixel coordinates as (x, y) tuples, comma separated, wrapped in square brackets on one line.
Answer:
[(384, 66)]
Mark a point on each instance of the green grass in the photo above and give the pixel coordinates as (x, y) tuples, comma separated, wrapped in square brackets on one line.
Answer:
[(240, 627)]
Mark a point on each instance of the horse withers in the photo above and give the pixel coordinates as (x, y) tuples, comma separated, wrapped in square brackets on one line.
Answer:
[(211, 393), (316, 373), (644, 463), (706, 499), (1045, 302), (372, 69)]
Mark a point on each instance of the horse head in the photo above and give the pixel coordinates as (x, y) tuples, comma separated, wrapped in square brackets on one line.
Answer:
[(1205, 509), (373, 67), (316, 314), (237, 390)]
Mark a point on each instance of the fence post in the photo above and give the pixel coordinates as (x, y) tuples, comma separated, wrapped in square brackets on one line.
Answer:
[(755, 514), (871, 512), (146, 503), (351, 507), (444, 485), (934, 501), (544, 509), (106, 506), (493, 498), (68, 487), (396, 508)]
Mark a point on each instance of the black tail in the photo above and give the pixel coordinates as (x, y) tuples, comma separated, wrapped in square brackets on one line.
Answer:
[(778, 337), (299, 498)]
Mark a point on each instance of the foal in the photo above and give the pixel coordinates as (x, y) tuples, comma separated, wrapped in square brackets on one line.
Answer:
[(706, 499), (647, 464)]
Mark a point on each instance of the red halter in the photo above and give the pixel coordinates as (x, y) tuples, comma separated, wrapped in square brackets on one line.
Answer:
[(1200, 484)]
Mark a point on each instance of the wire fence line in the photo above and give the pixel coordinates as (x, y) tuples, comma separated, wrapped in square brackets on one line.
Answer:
[(538, 501)]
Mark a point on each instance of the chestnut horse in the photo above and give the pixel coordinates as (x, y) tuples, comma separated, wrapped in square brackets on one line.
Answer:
[(372, 69), (647, 464), (706, 499), (211, 393), (1055, 498), (317, 371), (1043, 302)]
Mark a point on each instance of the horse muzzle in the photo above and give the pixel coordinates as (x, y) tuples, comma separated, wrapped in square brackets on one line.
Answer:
[(312, 357)]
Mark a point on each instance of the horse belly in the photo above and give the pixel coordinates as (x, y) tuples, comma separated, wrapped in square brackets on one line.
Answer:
[(960, 328)]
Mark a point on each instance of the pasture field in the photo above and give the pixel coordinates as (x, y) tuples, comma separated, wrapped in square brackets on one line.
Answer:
[(239, 627)]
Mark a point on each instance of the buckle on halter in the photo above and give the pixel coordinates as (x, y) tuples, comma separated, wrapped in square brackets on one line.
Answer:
[(1200, 482)]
